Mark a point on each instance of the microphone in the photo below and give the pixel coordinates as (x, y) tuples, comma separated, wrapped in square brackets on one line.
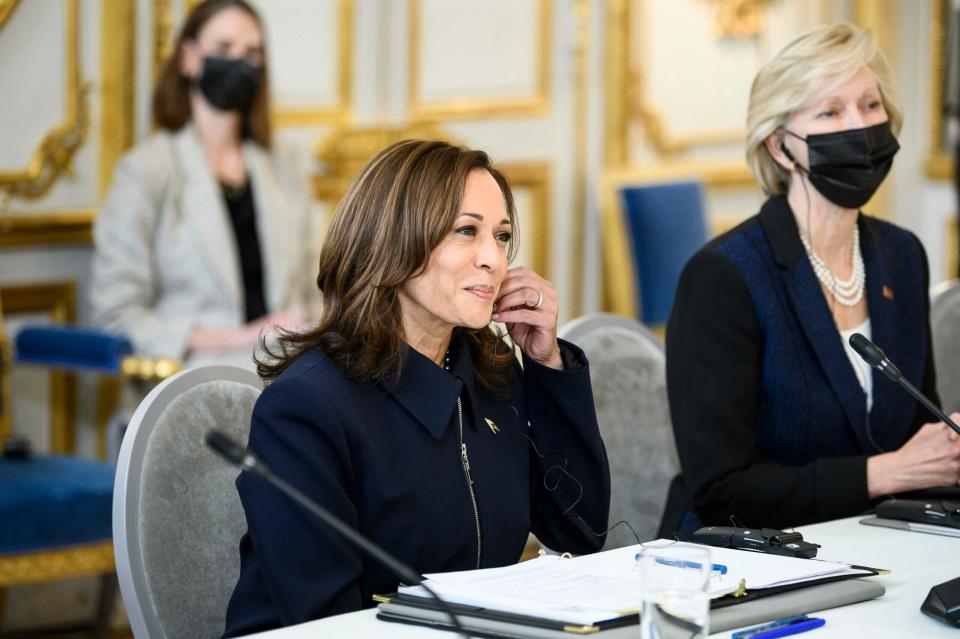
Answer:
[(871, 354), (943, 600), (248, 462)]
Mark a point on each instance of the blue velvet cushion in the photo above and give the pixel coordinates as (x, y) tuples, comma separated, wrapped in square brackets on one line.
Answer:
[(53, 501), (72, 347), (666, 226)]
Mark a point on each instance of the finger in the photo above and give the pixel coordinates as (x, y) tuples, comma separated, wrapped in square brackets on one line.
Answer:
[(520, 277), (523, 298), (538, 319)]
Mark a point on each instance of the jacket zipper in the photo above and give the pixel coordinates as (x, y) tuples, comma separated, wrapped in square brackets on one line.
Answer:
[(465, 461)]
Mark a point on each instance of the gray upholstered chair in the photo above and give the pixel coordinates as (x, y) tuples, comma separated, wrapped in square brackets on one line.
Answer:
[(177, 519), (945, 322), (628, 374)]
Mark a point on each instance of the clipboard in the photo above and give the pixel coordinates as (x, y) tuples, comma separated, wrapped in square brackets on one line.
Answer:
[(727, 612)]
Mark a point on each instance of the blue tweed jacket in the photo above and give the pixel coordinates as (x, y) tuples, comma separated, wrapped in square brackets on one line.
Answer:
[(770, 421)]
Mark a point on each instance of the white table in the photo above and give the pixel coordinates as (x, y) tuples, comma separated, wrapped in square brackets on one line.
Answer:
[(917, 561)]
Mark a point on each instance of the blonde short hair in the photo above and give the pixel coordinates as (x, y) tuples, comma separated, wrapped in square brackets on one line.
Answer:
[(801, 73)]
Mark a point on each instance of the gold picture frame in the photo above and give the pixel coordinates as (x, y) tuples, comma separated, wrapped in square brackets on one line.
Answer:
[(53, 156), (466, 108)]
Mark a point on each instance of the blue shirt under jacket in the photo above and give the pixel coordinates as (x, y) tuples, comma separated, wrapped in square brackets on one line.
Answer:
[(770, 421), (386, 458)]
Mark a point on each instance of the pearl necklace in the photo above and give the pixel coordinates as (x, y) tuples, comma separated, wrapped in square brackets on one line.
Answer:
[(847, 292)]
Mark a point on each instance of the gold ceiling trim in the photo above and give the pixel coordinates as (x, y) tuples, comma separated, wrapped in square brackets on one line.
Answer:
[(938, 164), (6, 9), (59, 301), (54, 156), (465, 108)]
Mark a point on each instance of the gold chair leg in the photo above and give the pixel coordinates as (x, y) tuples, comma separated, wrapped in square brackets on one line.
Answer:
[(3, 605), (109, 390), (63, 402)]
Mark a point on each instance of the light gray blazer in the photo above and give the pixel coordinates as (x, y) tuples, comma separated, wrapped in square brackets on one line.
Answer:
[(165, 259)]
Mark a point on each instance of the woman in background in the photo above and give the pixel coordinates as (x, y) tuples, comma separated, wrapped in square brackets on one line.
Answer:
[(199, 246), (405, 414), (777, 421)]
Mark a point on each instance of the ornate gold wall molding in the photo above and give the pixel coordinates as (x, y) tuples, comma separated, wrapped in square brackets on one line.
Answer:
[(738, 18), (347, 149), (58, 227), (54, 155), (627, 99), (938, 165), (534, 177), (341, 110), (616, 73), (164, 32), (581, 52), (536, 104), (118, 25), (6, 8), (59, 301)]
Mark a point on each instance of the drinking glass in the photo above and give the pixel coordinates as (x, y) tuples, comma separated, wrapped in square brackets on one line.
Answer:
[(674, 585)]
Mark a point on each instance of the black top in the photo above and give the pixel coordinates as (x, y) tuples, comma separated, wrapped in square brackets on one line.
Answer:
[(386, 458), (243, 220), (769, 417)]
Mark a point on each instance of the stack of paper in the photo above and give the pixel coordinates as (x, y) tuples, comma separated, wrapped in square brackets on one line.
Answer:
[(604, 586)]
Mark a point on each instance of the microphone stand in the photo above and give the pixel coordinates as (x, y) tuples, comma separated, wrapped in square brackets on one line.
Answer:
[(943, 601), (248, 462)]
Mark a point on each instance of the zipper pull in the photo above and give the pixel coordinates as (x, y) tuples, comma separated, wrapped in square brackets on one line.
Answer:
[(466, 462)]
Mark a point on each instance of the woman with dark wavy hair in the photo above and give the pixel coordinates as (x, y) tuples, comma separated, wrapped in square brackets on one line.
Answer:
[(405, 414)]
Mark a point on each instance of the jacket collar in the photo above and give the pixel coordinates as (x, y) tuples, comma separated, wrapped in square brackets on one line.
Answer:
[(202, 203), (810, 306), (429, 393)]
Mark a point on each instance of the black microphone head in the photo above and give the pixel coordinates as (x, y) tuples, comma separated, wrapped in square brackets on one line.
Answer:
[(866, 349), (225, 447)]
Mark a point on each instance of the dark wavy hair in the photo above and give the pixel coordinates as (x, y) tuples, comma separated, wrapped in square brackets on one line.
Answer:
[(398, 209), (171, 96)]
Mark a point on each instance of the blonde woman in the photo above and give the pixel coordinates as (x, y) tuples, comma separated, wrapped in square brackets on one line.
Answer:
[(777, 422)]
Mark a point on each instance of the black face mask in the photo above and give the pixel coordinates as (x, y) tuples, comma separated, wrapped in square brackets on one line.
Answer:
[(847, 167), (229, 84)]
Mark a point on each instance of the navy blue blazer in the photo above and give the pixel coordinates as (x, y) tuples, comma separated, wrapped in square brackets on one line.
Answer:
[(386, 458), (769, 418)]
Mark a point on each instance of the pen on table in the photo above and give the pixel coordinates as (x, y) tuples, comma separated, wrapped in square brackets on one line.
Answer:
[(790, 629), (681, 563), (750, 632)]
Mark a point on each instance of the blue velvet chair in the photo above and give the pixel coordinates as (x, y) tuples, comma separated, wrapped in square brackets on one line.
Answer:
[(56, 509), (665, 225)]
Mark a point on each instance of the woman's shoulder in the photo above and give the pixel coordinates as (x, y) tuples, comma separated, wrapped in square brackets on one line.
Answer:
[(890, 236), (312, 377)]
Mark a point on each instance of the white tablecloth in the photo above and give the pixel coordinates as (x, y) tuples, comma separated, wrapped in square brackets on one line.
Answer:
[(917, 561)]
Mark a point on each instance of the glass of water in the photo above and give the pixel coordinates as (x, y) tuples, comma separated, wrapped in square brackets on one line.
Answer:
[(674, 584)]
